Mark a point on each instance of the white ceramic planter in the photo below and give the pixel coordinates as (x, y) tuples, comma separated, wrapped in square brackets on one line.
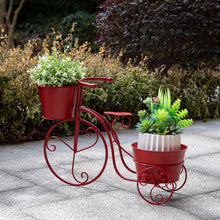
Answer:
[(154, 142)]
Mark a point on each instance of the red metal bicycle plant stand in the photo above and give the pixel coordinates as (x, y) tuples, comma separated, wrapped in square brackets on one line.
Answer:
[(146, 177)]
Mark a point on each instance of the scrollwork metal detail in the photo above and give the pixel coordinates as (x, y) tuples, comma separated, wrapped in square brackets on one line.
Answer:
[(179, 185), (157, 181), (51, 147)]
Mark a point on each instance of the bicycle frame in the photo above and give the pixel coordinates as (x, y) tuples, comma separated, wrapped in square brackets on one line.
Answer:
[(112, 138)]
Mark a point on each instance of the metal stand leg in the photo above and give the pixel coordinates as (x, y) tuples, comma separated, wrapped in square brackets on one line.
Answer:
[(156, 185), (154, 177), (50, 143)]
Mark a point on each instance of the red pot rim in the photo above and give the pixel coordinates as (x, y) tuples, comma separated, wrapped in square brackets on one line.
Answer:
[(51, 86), (159, 157)]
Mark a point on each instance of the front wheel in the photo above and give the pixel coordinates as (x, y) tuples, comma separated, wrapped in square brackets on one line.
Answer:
[(67, 162)]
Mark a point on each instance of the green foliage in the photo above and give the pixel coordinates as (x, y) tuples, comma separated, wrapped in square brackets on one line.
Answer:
[(185, 122), (84, 29), (145, 125), (168, 32), (164, 98), (164, 118), (38, 17), (162, 121), (32, 9), (175, 107), (56, 70), (21, 116), (181, 114)]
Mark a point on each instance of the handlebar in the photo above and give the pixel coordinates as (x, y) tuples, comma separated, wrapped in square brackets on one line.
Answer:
[(92, 85)]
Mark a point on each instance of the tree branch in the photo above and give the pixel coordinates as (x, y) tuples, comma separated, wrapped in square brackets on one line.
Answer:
[(2, 11), (7, 23), (14, 21)]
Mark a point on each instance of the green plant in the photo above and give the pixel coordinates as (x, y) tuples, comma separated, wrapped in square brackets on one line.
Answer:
[(84, 29), (21, 116), (164, 118), (56, 70)]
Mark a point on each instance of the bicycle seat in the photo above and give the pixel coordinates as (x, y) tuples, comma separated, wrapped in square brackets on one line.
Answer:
[(118, 113)]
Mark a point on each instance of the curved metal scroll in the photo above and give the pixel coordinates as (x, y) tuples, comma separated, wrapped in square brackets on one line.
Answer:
[(156, 184), (177, 185), (84, 176)]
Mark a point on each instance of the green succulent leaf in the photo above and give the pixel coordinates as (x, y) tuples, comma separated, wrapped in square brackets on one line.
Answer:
[(164, 118), (186, 122), (165, 98), (181, 114), (175, 107), (145, 125)]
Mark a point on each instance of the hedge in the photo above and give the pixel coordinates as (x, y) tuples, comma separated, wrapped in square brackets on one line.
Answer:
[(21, 116)]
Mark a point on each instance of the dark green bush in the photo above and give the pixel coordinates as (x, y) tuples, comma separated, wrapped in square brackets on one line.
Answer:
[(168, 32), (32, 9), (38, 17), (84, 29)]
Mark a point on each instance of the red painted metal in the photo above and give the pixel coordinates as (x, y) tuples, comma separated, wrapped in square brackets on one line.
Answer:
[(178, 185), (82, 83), (52, 148), (154, 186), (164, 179), (118, 113), (170, 161), (58, 103), (110, 131)]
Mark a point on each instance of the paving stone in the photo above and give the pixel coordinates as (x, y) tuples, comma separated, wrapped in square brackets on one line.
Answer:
[(214, 135), (199, 145), (202, 164), (203, 127), (9, 182), (109, 175), (28, 149), (29, 197), (78, 191), (198, 183), (41, 176), (110, 205), (203, 206), (215, 193), (29, 190), (9, 213), (22, 164)]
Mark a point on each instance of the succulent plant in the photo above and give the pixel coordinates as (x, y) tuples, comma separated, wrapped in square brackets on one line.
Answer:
[(164, 118)]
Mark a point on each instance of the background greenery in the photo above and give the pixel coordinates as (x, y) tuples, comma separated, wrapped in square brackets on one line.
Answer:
[(21, 118), (38, 17)]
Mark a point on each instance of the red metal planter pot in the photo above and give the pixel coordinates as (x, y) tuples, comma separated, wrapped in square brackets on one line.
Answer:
[(58, 103), (169, 161)]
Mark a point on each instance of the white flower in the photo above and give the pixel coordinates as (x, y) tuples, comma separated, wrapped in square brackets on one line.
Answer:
[(56, 71)]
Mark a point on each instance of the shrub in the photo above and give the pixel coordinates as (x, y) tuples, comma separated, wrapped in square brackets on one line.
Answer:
[(21, 116), (56, 70), (32, 9), (19, 98), (39, 16), (84, 29), (168, 32)]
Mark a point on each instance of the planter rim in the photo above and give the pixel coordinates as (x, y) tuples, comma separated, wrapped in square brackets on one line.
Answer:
[(183, 148), (51, 86)]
